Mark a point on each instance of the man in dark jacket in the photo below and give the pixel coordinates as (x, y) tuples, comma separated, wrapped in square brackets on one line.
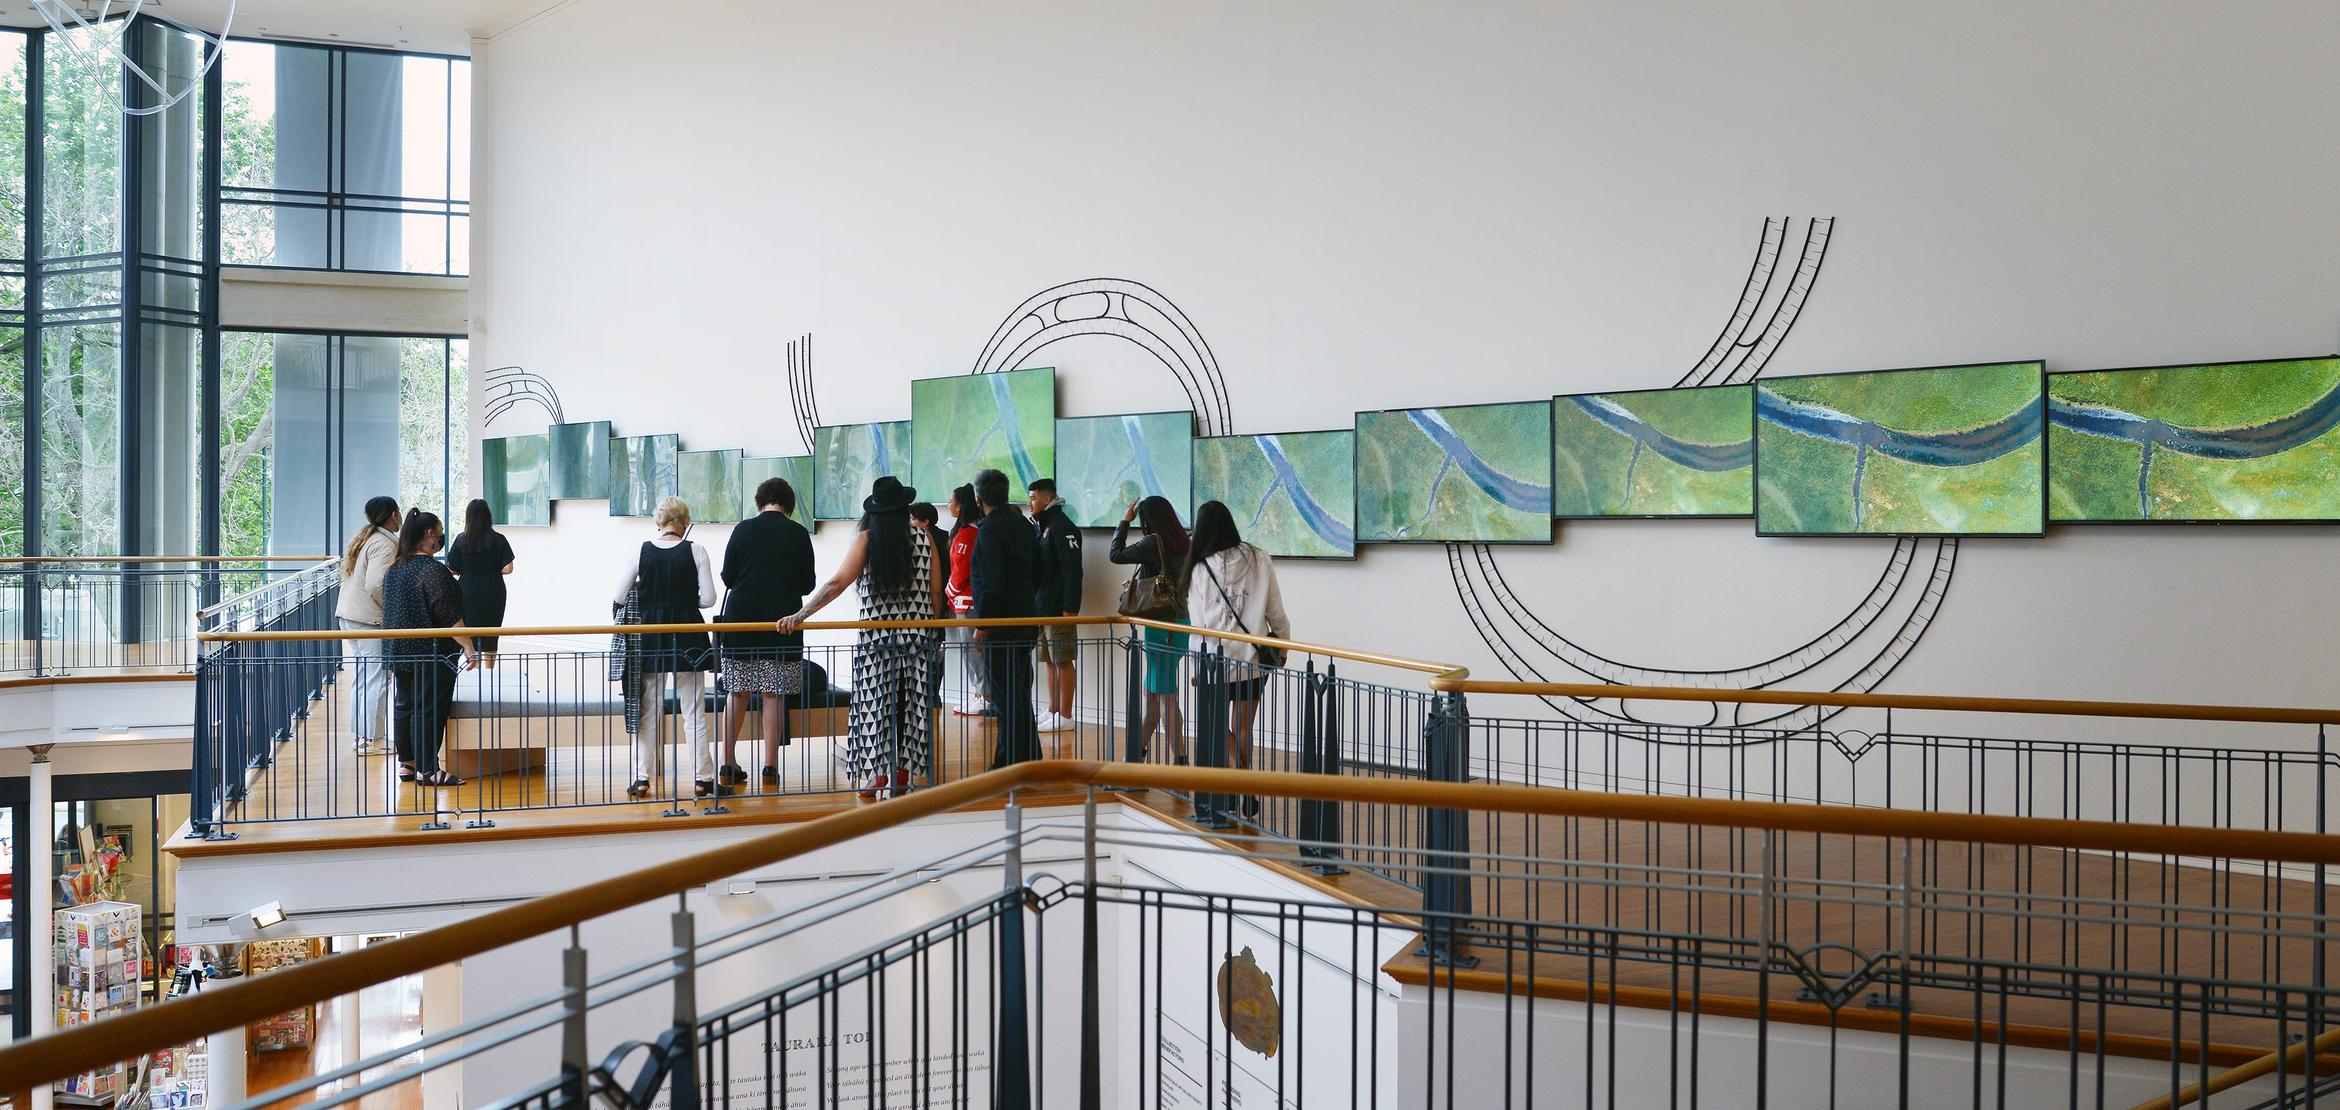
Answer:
[(1059, 596), (1005, 584)]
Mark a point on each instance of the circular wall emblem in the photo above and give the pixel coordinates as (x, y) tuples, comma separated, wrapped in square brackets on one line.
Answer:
[(1247, 1004)]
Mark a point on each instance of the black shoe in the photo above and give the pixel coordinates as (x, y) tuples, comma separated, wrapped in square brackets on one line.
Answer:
[(731, 775), (772, 774), (1251, 807), (640, 789), (703, 788)]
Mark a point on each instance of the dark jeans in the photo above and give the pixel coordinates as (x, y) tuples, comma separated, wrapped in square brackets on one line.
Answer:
[(1007, 668), (426, 699)]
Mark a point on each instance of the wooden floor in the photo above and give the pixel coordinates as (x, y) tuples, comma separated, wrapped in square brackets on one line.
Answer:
[(389, 1015), (579, 790), (65, 659)]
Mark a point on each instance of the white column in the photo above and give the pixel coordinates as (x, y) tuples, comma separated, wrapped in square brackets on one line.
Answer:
[(41, 993), (442, 1009), (352, 1023), (227, 1051)]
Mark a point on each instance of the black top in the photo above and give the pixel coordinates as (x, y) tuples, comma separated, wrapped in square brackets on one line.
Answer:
[(420, 593), (1145, 554), (666, 588), (482, 567), (1059, 573), (768, 566), (1006, 565)]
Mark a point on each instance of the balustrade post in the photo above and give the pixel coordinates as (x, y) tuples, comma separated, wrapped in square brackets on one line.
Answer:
[(202, 805), (1092, 1054), (1446, 836), (1133, 701), (682, 1092), (1011, 1074), (576, 1066), (1320, 730)]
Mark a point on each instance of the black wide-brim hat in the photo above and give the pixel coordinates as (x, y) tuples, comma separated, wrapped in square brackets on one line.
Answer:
[(888, 493)]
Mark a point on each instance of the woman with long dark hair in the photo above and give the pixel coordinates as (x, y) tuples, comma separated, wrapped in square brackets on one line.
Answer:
[(899, 577), (359, 606), (418, 592), (1160, 550), (480, 558), (1231, 587)]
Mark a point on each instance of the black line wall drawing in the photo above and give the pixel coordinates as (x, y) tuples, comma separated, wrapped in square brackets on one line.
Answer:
[(1126, 309), (1855, 653), (510, 386)]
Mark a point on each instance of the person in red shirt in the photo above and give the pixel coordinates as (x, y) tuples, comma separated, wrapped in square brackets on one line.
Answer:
[(959, 593)]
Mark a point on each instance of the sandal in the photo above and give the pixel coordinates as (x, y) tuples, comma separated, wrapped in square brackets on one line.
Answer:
[(640, 789), (406, 772), (772, 775), (876, 786), (731, 775), (438, 778)]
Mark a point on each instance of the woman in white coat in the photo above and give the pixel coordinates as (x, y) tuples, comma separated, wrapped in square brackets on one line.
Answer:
[(1231, 587), (359, 606)]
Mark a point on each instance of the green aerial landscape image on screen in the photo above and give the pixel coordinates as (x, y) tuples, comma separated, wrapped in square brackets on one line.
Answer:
[(708, 481), (580, 460), (972, 422), (1105, 462), (641, 473), (847, 458), (2237, 441), (1654, 453), (796, 469), (1293, 495), (1462, 474), (516, 479), (1944, 450)]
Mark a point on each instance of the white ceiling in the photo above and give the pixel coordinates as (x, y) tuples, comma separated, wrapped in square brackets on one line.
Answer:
[(444, 26)]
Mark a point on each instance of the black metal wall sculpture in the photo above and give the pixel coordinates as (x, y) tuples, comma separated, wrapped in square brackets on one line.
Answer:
[(1856, 652), (1128, 310), (509, 386)]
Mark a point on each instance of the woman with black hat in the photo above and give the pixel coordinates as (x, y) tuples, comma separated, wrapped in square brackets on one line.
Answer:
[(899, 577)]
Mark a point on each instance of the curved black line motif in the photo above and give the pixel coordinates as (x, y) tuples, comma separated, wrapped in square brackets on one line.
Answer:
[(800, 388), (1104, 306), (508, 386), (1739, 354)]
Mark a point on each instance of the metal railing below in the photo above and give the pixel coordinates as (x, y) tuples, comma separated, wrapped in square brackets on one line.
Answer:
[(137, 614)]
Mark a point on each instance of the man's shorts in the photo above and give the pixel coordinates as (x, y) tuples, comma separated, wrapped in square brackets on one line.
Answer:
[(1058, 642)]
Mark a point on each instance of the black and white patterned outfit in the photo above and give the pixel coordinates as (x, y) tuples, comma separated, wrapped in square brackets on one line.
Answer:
[(892, 719)]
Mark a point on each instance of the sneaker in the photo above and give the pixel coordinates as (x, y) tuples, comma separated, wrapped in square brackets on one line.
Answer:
[(977, 708), (1054, 723)]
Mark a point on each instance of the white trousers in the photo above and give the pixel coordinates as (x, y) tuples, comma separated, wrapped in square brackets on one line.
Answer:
[(369, 684), (690, 688)]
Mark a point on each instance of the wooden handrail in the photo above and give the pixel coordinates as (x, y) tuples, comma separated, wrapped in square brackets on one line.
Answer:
[(2166, 711), (1299, 647), (70, 560), (2291, 1059), (630, 629), (83, 1048)]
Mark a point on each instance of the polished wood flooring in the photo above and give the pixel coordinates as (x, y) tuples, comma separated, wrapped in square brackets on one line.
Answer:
[(388, 1015)]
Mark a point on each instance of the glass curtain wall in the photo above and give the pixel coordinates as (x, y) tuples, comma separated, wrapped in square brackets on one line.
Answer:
[(314, 425), (346, 159)]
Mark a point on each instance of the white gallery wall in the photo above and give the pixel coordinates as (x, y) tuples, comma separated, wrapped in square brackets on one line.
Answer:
[(1368, 205)]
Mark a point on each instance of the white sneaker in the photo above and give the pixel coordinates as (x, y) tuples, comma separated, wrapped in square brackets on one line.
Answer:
[(976, 708), (1054, 722)]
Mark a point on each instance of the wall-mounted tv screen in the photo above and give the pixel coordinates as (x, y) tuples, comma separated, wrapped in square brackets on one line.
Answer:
[(515, 479), (1292, 494), (971, 422), (847, 458), (641, 473), (796, 469), (580, 460), (2216, 443), (1458, 474), (1105, 462), (1654, 453)]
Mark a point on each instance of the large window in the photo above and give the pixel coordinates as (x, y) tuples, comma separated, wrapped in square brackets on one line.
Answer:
[(13, 90), (311, 426), (346, 159)]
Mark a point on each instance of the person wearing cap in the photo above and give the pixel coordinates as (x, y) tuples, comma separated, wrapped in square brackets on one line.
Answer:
[(899, 576), (1059, 595)]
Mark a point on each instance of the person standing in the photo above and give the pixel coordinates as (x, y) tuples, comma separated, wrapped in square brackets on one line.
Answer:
[(924, 518), (418, 592), (480, 558), (675, 587), (1059, 595), (1160, 551), (1004, 581), (1231, 587), (359, 606), (768, 567), (959, 594), (896, 569)]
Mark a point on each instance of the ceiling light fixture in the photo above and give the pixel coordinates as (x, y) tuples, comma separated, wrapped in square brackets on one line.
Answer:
[(63, 19)]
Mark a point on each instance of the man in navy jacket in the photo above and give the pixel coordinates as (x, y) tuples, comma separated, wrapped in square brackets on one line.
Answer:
[(1005, 584)]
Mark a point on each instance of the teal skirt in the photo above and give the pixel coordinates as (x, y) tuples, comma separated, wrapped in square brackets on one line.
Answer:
[(1164, 652)]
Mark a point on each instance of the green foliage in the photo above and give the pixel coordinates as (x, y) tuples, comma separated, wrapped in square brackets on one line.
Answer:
[(962, 424), (1591, 460), (2091, 478), (1409, 490), (1235, 470)]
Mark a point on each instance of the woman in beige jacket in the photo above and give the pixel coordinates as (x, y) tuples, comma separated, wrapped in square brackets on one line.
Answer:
[(363, 564)]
